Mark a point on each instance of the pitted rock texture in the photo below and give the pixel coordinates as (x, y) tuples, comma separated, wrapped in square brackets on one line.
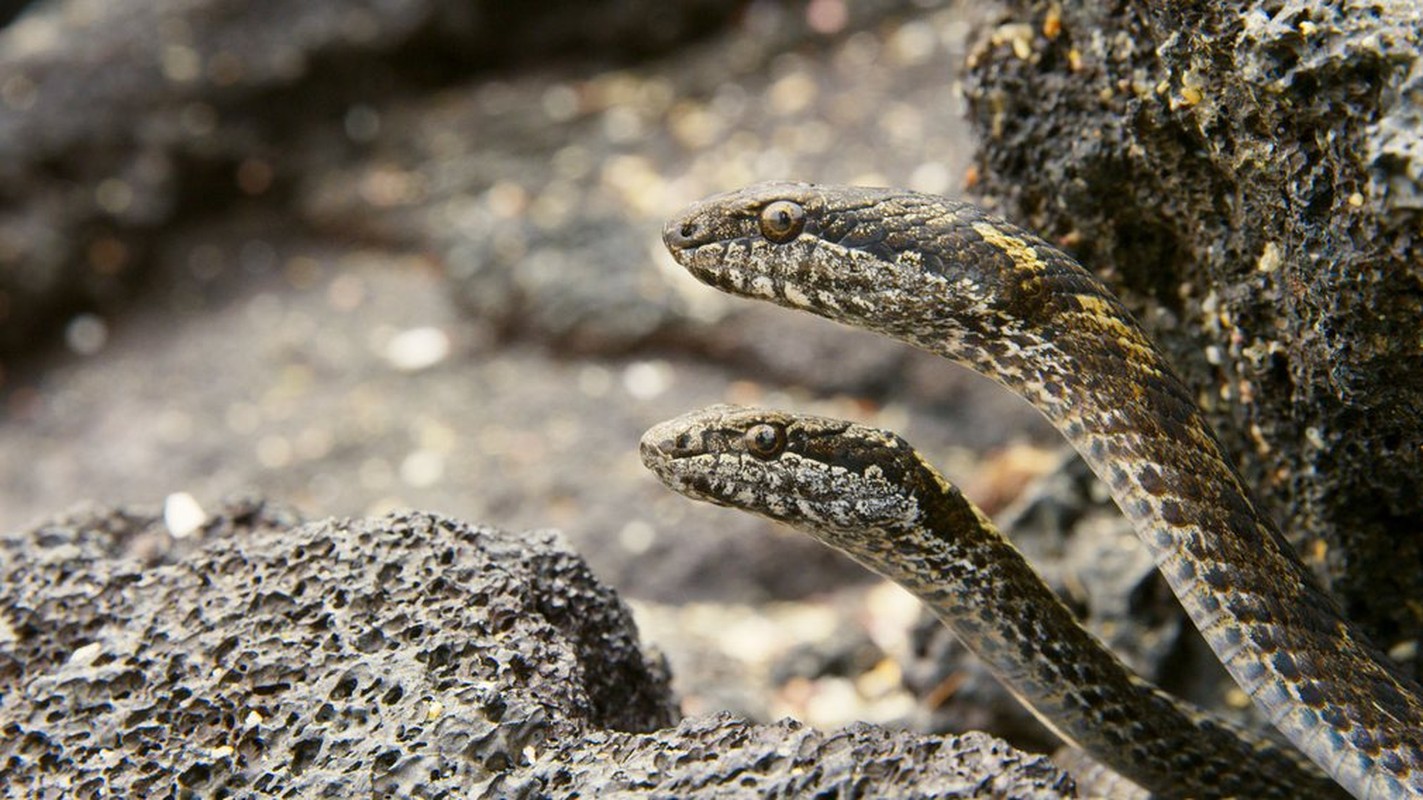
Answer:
[(723, 756), (407, 656), (402, 655), (1249, 177)]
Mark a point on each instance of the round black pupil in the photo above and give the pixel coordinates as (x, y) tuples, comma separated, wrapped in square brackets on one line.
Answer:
[(764, 438)]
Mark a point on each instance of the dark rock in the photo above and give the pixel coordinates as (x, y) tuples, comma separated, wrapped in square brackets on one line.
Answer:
[(413, 651), (721, 756), (412, 655), (9, 9), (1249, 177)]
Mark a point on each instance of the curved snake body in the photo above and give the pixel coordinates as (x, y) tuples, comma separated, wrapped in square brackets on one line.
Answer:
[(867, 493), (951, 279)]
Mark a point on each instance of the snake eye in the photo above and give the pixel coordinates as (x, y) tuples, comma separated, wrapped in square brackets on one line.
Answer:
[(782, 221), (765, 440)]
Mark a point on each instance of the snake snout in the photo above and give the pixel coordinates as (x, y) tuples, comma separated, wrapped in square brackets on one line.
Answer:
[(653, 451), (682, 233)]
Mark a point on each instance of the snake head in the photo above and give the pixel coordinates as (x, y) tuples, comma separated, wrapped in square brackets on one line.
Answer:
[(808, 471), (872, 257)]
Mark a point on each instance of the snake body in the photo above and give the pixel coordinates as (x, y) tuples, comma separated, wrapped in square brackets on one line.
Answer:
[(867, 493), (947, 277)]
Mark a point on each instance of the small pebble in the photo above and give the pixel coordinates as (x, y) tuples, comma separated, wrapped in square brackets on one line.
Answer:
[(86, 334), (417, 349), (645, 380), (182, 514)]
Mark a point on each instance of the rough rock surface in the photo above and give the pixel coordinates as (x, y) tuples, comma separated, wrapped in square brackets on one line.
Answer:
[(721, 756), (1250, 177), (277, 657), (407, 656)]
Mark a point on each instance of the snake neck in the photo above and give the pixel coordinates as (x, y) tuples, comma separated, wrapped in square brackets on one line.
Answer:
[(1244, 587), (968, 575), (868, 493)]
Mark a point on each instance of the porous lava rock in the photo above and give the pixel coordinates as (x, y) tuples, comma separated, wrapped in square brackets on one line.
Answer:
[(1250, 178), (406, 656)]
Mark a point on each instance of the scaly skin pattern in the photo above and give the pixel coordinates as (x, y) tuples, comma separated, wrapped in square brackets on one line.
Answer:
[(867, 493), (946, 277)]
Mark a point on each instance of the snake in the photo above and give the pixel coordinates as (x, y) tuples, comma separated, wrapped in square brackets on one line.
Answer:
[(869, 494), (952, 279)]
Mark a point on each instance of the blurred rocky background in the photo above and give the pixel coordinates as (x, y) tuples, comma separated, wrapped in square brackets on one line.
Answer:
[(404, 254)]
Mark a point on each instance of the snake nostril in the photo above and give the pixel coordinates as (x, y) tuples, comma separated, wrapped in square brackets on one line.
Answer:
[(689, 229)]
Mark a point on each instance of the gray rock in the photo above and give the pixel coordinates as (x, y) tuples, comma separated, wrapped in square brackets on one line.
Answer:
[(413, 651), (1248, 177), (411, 655), (722, 756)]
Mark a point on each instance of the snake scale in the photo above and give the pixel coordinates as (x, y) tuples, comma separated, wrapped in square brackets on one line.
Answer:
[(867, 493), (949, 278)]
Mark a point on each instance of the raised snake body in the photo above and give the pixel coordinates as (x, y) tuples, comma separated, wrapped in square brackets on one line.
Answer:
[(947, 277), (869, 494)]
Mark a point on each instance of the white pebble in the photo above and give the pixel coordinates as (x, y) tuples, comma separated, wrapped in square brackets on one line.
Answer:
[(417, 349), (645, 380), (86, 334), (637, 537), (422, 468), (182, 514), (86, 655)]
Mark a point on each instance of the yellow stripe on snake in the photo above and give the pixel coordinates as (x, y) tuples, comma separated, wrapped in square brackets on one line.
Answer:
[(946, 277)]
